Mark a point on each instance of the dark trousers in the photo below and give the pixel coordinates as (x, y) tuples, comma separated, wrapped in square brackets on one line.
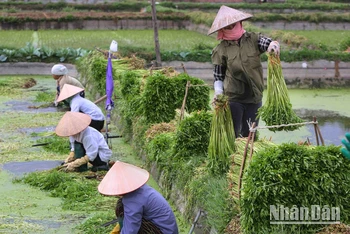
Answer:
[(97, 124), (79, 151), (242, 113)]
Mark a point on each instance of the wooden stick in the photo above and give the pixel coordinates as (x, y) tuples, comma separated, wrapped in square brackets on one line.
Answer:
[(316, 133), (251, 147), (184, 101), (183, 67), (320, 135), (100, 99), (243, 162), (151, 70)]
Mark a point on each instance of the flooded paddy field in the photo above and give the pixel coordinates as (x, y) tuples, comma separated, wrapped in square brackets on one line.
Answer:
[(24, 119)]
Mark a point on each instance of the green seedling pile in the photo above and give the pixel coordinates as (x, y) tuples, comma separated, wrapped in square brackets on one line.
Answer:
[(277, 110), (222, 138)]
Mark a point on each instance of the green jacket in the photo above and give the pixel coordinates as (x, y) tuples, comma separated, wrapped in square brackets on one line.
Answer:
[(244, 80)]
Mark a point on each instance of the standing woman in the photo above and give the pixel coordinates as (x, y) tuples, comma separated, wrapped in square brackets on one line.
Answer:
[(238, 71), (71, 94), (60, 74)]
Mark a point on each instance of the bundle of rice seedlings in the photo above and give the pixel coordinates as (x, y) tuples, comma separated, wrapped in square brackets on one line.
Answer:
[(157, 129), (222, 138), (236, 161), (277, 109)]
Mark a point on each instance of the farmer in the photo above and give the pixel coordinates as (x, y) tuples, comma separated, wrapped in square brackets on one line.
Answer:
[(60, 74), (94, 147), (140, 208), (346, 142), (238, 72), (77, 103)]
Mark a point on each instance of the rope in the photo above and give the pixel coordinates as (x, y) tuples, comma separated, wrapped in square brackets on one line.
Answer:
[(277, 126), (191, 85)]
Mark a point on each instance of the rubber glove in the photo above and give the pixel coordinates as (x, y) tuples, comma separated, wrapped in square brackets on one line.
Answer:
[(274, 47), (72, 166), (70, 158), (218, 89), (346, 142), (116, 229)]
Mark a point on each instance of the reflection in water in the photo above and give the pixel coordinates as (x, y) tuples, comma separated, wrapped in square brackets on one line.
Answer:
[(332, 129)]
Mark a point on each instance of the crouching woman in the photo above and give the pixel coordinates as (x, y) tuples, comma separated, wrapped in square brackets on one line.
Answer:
[(94, 146)]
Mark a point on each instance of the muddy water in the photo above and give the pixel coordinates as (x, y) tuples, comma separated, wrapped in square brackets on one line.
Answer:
[(29, 210), (330, 109), (24, 209)]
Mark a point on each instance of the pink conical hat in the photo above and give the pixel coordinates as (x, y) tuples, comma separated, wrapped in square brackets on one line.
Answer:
[(72, 123), (68, 91), (122, 178), (227, 16)]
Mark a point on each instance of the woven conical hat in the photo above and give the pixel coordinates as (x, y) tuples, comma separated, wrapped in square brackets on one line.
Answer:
[(72, 123), (122, 178), (227, 16), (68, 91)]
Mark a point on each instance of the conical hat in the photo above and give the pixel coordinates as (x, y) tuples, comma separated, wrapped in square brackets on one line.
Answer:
[(122, 178), (227, 16), (72, 123), (68, 91)]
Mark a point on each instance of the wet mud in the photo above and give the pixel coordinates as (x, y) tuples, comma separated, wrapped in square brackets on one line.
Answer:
[(19, 169)]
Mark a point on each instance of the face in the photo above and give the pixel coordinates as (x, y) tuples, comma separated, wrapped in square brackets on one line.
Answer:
[(55, 77)]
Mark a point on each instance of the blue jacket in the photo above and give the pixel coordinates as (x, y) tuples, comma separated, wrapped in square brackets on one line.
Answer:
[(145, 202)]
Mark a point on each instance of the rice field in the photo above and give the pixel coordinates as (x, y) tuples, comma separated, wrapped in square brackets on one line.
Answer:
[(331, 38), (89, 39), (169, 40)]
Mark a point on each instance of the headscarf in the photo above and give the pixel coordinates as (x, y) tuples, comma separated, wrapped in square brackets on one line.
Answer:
[(231, 34), (59, 70)]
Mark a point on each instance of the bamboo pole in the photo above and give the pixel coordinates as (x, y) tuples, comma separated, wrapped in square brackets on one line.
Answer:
[(100, 99), (183, 67), (315, 128), (252, 147), (320, 135), (243, 161), (182, 112)]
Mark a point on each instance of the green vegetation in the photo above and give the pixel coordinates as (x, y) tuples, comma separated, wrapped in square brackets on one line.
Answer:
[(222, 137), (45, 97), (69, 202), (331, 39), (293, 175), (170, 40), (180, 46), (135, 6), (277, 109)]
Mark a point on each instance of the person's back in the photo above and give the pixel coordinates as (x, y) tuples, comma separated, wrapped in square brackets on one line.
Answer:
[(79, 104), (94, 144), (66, 79), (152, 206)]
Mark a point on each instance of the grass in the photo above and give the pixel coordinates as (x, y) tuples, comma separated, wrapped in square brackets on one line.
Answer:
[(330, 38), (170, 40), (89, 39)]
